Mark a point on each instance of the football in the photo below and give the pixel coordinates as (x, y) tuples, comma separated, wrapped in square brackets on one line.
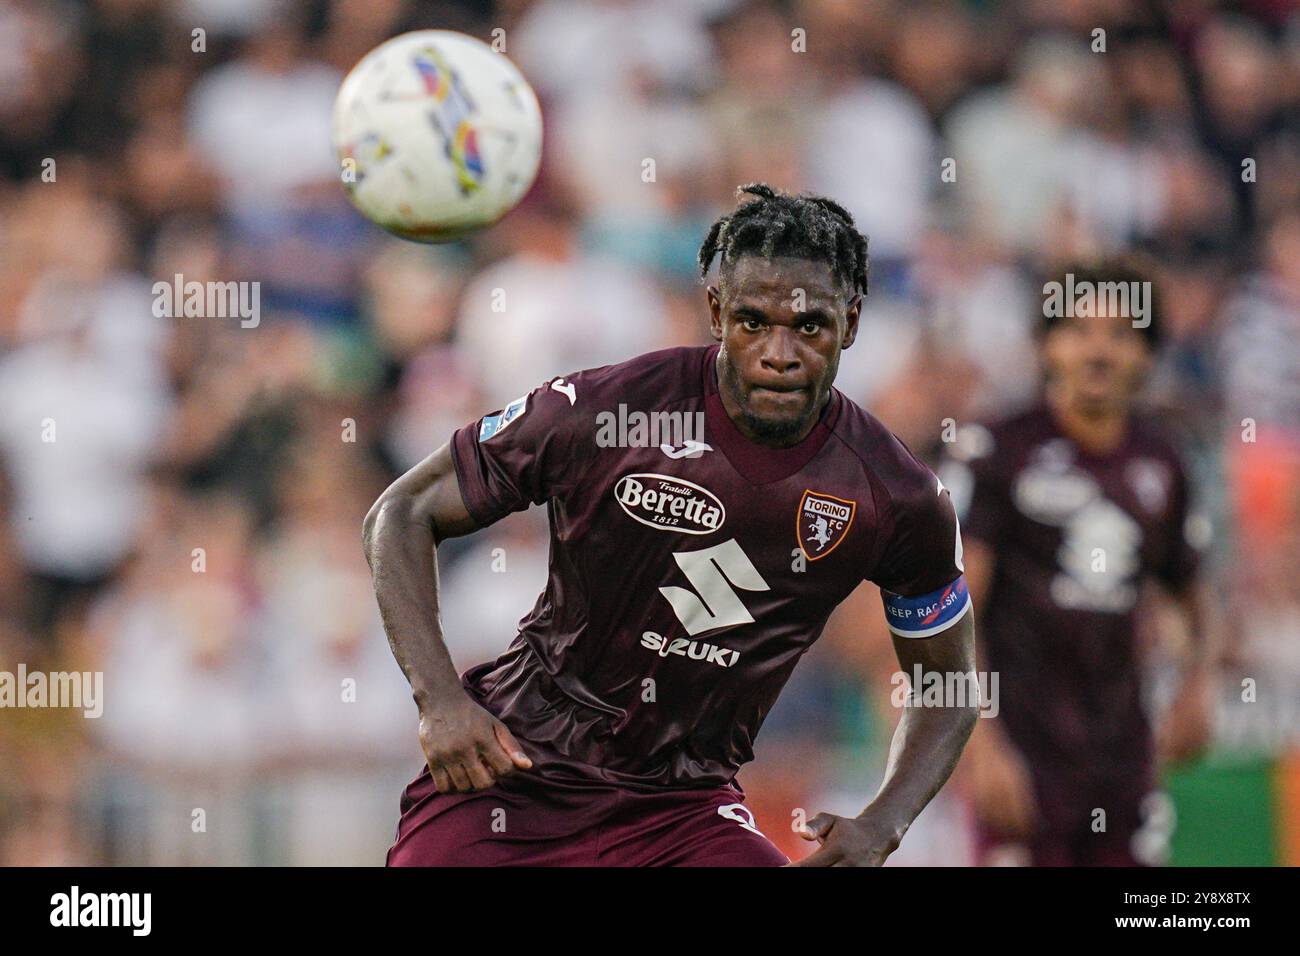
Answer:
[(437, 135)]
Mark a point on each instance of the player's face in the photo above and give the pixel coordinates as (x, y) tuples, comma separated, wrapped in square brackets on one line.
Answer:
[(782, 323), (1097, 362)]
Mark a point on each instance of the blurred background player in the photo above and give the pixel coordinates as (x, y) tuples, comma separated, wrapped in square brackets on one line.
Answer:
[(1070, 510)]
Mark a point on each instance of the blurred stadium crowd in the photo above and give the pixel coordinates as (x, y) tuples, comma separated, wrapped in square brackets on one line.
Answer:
[(193, 530)]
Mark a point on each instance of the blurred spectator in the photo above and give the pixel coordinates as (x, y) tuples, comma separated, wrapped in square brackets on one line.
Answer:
[(84, 392), (551, 307)]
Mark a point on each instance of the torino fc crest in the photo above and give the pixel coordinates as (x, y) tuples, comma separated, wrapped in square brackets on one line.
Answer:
[(822, 523)]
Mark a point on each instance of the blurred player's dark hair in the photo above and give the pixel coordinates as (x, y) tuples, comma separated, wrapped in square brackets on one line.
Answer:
[(1129, 268), (780, 224)]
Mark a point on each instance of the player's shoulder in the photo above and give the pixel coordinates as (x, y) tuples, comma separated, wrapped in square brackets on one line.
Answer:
[(650, 379), (1027, 428), (885, 458), (566, 405), (999, 439)]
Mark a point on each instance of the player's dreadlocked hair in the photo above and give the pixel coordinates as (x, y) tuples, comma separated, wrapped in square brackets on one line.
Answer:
[(800, 226)]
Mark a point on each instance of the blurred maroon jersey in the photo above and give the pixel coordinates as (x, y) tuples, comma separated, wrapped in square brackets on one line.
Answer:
[(690, 569), (1074, 536)]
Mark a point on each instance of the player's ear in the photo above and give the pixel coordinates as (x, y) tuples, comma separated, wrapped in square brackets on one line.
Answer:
[(715, 312), (851, 316)]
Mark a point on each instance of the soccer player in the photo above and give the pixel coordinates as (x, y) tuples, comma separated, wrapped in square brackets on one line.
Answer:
[(1074, 507), (688, 575)]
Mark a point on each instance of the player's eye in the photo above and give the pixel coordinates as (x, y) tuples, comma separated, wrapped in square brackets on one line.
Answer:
[(751, 325), (810, 328)]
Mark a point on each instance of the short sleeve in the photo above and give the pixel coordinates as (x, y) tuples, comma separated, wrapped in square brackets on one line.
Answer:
[(923, 552), (920, 574), (523, 454)]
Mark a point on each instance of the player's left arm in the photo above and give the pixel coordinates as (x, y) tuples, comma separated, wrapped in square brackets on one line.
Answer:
[(934, 637), (926, 745)]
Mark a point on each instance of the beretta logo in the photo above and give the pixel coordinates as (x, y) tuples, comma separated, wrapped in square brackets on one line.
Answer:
[(670, 504)]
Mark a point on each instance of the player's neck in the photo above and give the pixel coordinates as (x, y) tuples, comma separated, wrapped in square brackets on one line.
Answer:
[(1098, 431)]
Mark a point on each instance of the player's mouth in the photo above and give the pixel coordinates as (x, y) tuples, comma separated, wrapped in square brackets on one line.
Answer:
[(779, 390), (781, 402), (1099, 374)]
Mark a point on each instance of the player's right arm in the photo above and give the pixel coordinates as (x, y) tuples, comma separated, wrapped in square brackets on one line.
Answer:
[(467, 748)]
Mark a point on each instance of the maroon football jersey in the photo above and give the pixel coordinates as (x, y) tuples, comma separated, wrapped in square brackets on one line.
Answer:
[(1074, 536), (690, 568)]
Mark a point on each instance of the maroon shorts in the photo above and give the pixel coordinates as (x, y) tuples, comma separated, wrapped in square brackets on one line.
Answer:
[(525, 821)]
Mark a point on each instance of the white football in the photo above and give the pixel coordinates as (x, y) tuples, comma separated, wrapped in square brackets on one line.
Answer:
[(437, 135)]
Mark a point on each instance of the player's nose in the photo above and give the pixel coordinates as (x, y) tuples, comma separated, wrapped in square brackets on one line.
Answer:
[(779, 354)]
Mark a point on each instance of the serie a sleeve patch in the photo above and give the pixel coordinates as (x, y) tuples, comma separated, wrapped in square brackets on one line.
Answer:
[(493, 424), (927, 614)]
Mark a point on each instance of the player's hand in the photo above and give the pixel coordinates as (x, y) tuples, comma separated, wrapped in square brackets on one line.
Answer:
[(1186, 729), (1002, 788), (466, 747), (849, 841)]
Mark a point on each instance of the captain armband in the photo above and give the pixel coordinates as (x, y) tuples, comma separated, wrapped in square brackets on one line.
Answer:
[(927, 614)]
